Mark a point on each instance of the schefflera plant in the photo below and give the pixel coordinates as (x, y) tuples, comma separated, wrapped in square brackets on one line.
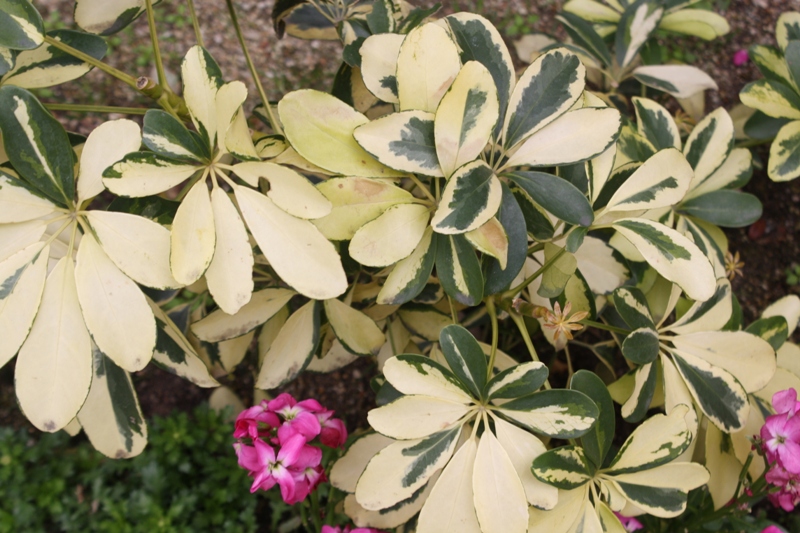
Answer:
[(71, 308), (209, 236), (643, 477), (473, 427), (463, 128), (777, 98)]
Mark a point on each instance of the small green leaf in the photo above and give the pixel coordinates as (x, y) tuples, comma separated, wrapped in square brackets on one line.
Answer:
[(729, 209), (596, 442), (381, 19), (556, 195), (458, 269), (168, 137), (514, 223), (641, 346), (566, 468), (555, 278)]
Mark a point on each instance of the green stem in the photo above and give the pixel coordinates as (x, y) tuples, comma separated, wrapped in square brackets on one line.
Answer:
[(276, 127), (453, 314), (495, 333), (96, 109), (195, 23), (151, 22), (523, 330), (315, 517), (111, 71), (753, 142), (600, 325), (423, 188), (516, 290), (533, 248)]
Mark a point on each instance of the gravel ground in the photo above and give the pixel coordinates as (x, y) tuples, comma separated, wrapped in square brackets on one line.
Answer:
[(768, 248)]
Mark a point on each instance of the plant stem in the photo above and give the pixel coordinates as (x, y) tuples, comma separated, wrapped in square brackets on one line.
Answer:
[(570, 370), (453, 314), (523, 330), (111, 71), (96, 109), (151, 22), (195, 23), (511, 292), (315, 511), (600, 325), (276, 127), (423, 188), (493, 318)]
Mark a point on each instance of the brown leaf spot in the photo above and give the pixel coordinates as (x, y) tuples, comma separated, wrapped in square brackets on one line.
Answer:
[(50, 426)]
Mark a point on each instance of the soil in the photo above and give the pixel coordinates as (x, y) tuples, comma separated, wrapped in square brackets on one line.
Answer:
[(768, 248)]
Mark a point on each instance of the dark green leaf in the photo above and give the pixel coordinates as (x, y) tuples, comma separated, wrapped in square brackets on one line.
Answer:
[(792, 55), (641, 346), (155, 208), (514, 223), (556, 195), (575, 238), (584, 35), (729, 209), (416, 16), (381, 19), (168, 137), (762, 127), (596, 442), (536, 220)]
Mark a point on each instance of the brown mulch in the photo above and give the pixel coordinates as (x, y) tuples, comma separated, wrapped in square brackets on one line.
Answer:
[(768, 250)]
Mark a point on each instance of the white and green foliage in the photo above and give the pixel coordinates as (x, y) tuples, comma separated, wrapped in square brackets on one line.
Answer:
[(777, 98), (643, 477), (697, 359), (485, 483), (70, 293)]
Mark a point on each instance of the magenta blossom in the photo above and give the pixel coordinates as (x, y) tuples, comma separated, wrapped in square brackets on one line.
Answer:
[(249, 421), (772, 529), (629, 522), (740, 57), (781, 432), (298, 417), (269, 469), (334, 432)]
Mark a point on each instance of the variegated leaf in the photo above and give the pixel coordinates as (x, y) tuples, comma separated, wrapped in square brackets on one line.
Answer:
[(720, 396), (681, 81), (22, 279), (170, 138), (395, 516), (400, 469), (355, 202), (416, 416), (598, 265), (37, 145), (114, 308), (517, 381), (415, 374), (410, 275), (784, 162), (403, 141), (107, 144), (21, 26), (219, 326), (145, 173), (787, 307), (138, 246), (471, 197), (19, 203), (787, 28), (491, 239), (750, 359), (292, 349), (458, 269), (357, 332), (568, 515), (547, 88), (390, 237), (556, 413), (709, 144), (672, 255), (499, 496), (662, 491), (573, 137), (233, 133), (632, 306), (657, 441), (104, 17), (202, 79), (478, 40), (661, 181), (450, 506), (465, 117), (193, 237), (656, 124), (645, 379), (111, 416), (566, 468), (774, 330), (174, 353), (290, 190), (710, 315), (771, 98), (522, 448), (638, 22), (585, 35), (424, 321), (54, 366), (427, 64), (698, 22), (345, 472), (507, 243), (379, 65), (555, 278), (320, 127), (230, 274), (465, 358), (297, 251)]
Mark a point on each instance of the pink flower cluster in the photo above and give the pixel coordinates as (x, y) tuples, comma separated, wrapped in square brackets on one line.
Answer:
[(281, 431), (332, 529), (629, 522), (780, 440)]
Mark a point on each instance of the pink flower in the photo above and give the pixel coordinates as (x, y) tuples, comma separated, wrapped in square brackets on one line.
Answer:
[(785, 402), (299, 418), (337, 529), (740, 58), (629, 522), (772, 529), (269, 469), (334, 432), (781, 436), (247, 423)]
